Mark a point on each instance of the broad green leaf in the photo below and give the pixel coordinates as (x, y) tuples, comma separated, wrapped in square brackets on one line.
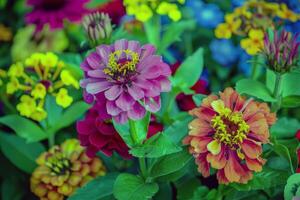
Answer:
[(187, 188), (69, 116), (292, 145), (97, 189), (189, 71), (140, 128), (198, 98), (175, 175), (164, 193), (24, 128), (20, 153), (178, 130), (290, 102), (265, 179), (156, 146), (173, 33), (170, 164), (129, 187), (255, 89), (124, 132), (285, 128), (11, 189), (291, 189), (2, 3), (283, 151), (53, 110)]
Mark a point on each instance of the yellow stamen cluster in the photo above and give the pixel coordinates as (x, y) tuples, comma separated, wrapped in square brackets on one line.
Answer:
[(143, 10), (117, 69), (41, 74), (62, 170), (230, 127), (252, 19)]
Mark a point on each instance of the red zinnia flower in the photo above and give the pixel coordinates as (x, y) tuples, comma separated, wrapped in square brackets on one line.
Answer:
[(227, 135)]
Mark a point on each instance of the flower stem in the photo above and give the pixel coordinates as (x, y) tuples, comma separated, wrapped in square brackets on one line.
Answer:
[(276, 93), (254, 67), (133, 132), (51, 140), (143, 167)]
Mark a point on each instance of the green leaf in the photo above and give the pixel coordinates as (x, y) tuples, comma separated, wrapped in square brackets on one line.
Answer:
[(97, 189), (266, 179), (189, 71), (129, 187), (198, 98), (20, 153), (201, 193), (73, 113), (156, 146), (170, 164), (255, 89), (152, 30), (285, 128), (53, 111), (164, 193), (186, 188), (178, 130), (291, 102), (2, 3), (140, 127), (292, 187), (173, 33), (124, 132), (24, 128), (283, 151), (96, 3), (11, 189)]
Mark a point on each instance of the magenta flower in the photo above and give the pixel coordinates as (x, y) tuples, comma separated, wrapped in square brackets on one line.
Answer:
[(130, 76), (54, 12), (97, 133)]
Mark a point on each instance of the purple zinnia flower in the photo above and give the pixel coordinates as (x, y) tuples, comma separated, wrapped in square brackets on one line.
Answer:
[(130, 76), (54, 12)]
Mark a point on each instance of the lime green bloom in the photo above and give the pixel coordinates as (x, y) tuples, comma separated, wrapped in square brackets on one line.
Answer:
[(63, 99)]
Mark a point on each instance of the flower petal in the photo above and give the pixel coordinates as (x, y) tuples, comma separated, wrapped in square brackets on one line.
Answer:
[(113, 92), (251, 148), (125, 101), (94, 88), (137, 112)]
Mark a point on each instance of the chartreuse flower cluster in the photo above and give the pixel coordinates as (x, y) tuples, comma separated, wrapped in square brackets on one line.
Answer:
[(62, 170), (143, 10), (41, 74), (252, 20), (227, 134)]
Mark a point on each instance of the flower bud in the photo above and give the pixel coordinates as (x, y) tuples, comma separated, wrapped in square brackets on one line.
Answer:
[(97, 26), (281, 51)]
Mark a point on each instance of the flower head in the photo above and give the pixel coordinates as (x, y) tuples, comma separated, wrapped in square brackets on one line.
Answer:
[(129, 75), (54, 12), (62, 170), (143, 10), (97, 26), (40, 75), (254, 43), (227, 135), (281, 52), (224, 52)]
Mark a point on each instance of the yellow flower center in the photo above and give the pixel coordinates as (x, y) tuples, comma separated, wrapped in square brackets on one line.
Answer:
[(58, 163), (121, 63), (231, 129)]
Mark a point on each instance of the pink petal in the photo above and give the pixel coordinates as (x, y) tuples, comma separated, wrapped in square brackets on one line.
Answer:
[(125, 101), (136, 92), (113, 92), (112, 108), (121, 118), (153, 104), (98, 73), (137, 112), (94, 88), (147, 50), (93, 60)]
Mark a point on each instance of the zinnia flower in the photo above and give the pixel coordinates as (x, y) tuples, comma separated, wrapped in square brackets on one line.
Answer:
[(129, 75), (54, 12), (97, 133), (116, 13), (298, 135), (40, 75), (228, 134), (62, 170)]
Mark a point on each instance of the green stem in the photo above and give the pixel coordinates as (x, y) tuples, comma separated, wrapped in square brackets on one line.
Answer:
[(166, 113), (133, 133), (276, 93), (143, 167), (51, 140), (254, 67)]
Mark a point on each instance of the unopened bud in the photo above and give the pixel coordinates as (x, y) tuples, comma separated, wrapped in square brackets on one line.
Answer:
[(97, 26)]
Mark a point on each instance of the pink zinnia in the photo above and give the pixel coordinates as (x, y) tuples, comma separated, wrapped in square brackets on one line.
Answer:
[(130, 76), (54, 12)]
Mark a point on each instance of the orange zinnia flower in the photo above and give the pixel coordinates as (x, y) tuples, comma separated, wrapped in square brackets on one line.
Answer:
[(227, 135)]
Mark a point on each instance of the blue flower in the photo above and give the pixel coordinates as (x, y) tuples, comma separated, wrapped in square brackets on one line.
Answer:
[(293, 27), (207, 15), (294, 5), (224, 52), (237, 3)]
